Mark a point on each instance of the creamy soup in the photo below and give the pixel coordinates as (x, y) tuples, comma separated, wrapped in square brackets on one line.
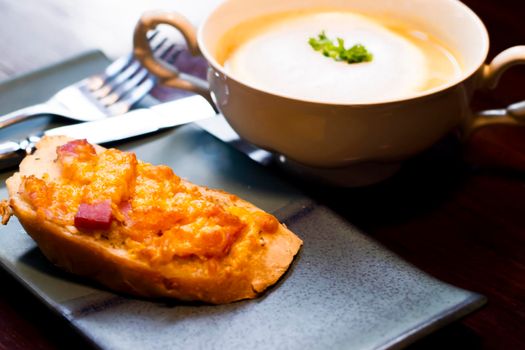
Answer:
[(272, 53)]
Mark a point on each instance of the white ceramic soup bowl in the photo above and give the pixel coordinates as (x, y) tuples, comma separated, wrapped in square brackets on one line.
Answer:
[(351, 144)]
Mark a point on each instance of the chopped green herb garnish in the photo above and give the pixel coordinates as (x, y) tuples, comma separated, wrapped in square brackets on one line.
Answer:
[(356, 54)]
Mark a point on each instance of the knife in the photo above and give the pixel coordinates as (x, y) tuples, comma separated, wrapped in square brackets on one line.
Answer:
[(137, 122)]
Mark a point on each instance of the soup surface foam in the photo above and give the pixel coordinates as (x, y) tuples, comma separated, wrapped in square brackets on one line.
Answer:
[(272, 53)]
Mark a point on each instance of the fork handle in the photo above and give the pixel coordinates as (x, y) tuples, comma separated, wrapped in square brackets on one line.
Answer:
[(12, 152), (24, 114)]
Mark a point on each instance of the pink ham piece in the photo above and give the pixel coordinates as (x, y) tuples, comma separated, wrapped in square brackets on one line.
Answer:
[(74, 146), (96, 216)]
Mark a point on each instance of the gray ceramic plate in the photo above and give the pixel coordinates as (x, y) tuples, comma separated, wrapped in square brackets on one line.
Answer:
[(342, 291)]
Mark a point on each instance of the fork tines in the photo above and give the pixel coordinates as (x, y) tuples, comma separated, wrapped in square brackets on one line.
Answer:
[(125, 81)]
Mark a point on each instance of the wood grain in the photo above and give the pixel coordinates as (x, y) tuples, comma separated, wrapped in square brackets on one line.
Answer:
[(455, 211)]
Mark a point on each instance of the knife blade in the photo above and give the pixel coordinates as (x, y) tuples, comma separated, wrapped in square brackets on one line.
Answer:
[(137, 122)]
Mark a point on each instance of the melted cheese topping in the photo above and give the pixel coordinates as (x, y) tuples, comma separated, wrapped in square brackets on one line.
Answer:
[(156, 215)]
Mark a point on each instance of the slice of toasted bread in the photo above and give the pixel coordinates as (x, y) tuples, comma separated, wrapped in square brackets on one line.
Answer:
[(259, 253)]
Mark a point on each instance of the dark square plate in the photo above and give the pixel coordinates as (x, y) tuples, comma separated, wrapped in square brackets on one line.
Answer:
[(343, 290)]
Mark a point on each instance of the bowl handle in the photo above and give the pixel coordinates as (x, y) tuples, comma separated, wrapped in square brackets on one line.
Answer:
[(514, 114), (168, 75)]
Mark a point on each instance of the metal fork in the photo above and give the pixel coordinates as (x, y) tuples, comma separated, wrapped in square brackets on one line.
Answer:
[(115, 91)]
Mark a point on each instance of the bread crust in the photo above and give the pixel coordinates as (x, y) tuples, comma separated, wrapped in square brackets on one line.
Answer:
[(116, 268)]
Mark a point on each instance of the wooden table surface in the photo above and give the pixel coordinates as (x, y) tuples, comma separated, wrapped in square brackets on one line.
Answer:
[(456, 211)]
